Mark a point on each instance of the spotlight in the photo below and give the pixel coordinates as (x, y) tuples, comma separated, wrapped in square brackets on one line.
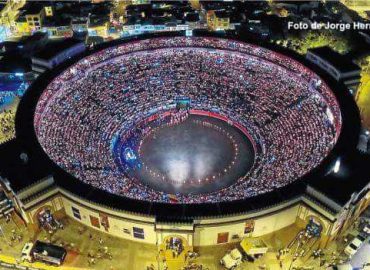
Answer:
[(336, 166)]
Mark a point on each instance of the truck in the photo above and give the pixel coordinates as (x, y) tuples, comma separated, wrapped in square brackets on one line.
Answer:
[(253, 247), (43, 252)]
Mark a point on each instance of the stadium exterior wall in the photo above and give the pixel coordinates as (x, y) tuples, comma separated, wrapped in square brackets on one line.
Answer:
[(200, 232)]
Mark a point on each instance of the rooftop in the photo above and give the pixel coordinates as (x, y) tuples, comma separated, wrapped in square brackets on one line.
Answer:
[(32, 8), (34, 38), (53, 48), (339, 61), (20, 174), (192, 17), (98, 21), (13, 63), (351, 178), (56, 21), (222, 14)]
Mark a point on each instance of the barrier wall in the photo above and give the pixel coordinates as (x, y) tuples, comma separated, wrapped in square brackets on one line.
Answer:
[(202, 232)]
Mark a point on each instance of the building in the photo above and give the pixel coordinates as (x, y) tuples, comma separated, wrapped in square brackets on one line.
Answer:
[(140, 2), (218, 20), (58, 27), (4, 16), (56, 52), (138, 29), (8, 12), (98, 26), (21, 27), (49, 11), (340, 67), (28, 45), (3, 33), (34, 13), (80, 25)]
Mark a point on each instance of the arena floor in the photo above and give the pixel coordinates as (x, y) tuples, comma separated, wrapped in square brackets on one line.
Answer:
[(200, 155)]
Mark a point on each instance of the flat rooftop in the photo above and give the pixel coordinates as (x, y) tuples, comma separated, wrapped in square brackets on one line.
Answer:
[(341, 62), (53, 48)]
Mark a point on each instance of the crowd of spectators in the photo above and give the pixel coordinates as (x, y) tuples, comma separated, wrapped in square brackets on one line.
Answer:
[(292, 115)]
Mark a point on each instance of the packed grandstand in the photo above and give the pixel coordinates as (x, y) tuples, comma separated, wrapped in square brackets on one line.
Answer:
[(290, 114)]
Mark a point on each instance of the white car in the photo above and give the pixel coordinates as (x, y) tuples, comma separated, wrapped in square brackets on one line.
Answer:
[(366, 229), (232, 260), (355, 245), (26, 252), (235, 253), (340, 267)]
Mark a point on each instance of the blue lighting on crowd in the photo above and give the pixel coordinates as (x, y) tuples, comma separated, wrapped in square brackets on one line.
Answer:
[(129, 154)]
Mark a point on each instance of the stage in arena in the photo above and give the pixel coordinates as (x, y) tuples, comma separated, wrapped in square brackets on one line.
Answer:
[(197, 155)]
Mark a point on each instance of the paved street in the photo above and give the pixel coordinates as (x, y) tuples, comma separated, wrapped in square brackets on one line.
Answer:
[(362, 256)]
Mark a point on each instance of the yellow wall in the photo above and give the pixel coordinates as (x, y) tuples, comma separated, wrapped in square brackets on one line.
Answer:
[(117, 223), (22, 28), (202, 232), (207, 234), (216, 23)]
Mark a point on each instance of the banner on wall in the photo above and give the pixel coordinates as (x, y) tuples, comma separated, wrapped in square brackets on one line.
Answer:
[(104, 221), (249, 226)]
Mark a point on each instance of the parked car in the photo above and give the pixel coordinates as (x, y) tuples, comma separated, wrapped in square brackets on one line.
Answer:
[(366, 229), (355, 245), (340, 267), (26, 252), (232, 259)]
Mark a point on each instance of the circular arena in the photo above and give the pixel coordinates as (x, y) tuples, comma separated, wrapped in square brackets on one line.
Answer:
[(187, 120)]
